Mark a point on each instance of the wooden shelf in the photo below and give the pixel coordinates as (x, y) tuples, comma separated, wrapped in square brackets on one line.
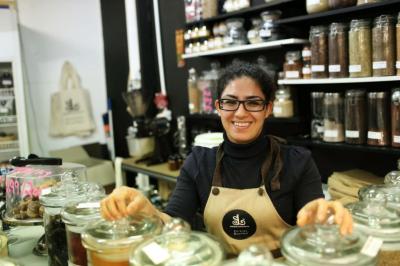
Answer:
[(248, 47), (337, 80), (340, 11)]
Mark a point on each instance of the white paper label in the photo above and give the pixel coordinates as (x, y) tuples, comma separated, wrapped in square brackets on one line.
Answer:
[(375, 135), (317, 68), (7, 82), (156, 253), (396, 139), (352, 134), (265, 33), (354, 68), (372, 246), (3, 110), (88, 205), (45, 191), (320, 129), (379, 64), (251, 34), (306, 70), (277, 110), (397, 64), (331, 133), (334, 68), (313, 2), (292, 74), (306, 53)]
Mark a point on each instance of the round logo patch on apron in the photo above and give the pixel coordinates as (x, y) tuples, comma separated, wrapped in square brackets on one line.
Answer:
[(239, 224)]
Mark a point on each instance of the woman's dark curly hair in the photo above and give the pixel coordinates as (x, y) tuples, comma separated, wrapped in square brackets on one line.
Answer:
[(240, 69)]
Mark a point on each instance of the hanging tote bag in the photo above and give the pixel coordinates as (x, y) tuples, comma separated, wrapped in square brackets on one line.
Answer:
[(71, 112)]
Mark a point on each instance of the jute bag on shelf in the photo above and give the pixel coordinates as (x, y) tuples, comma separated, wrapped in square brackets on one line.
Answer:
[(71, 110)]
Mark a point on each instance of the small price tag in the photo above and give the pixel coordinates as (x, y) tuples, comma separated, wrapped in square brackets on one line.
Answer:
[(306, 53), (317, 68), (354, 68), (396, 139), (334, 68), (88, 205), (379, 65), (45, 191), (371, 246), (331, 133), (313, 2), (156, 253), (265, 33), (306, 70), (375, 135), (397, 64), (352, 134), (292, 74)]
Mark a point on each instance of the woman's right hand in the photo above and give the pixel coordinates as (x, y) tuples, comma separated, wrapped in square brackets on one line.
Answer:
[(124, 201)]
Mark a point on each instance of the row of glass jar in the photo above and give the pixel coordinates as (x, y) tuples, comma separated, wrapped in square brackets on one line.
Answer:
[(315, 6), (358, 52), (358, 119)]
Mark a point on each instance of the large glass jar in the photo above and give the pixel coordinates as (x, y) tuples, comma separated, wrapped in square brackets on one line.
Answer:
[(292, 67), (383, 46), (109, 243), (341, 3), (283, 104), (355, 117), (378, 119), (269, 29), (360, 48), (398, 45), (236, 34), (317, 122), (316, 245), (319, 51), (396, 118), (253, 35), (380, 221), (333, 117), (384, 194), (338, 51), (315, 6)]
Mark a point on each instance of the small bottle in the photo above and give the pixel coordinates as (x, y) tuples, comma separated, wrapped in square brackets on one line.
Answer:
[(306, 55), (283, 104), (293, 66)]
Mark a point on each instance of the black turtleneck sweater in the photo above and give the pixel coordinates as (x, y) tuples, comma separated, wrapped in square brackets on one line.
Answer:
[(300, 181)]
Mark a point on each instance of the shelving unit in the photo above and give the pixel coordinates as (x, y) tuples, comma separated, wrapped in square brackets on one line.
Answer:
[(248, 48), (337, 80)]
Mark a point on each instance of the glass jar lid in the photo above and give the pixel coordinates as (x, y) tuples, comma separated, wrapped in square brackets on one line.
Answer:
[(359, 23), (384, 193), (271, 15), (337, 27), (235, 22), (108, 235), (81, 213), (293, 56), (282, 93), (396, 99), (314, 30), (393, 178), (317, 94), (377, 95), (256, 22), (384, 20), (323, 244), (355, 93)]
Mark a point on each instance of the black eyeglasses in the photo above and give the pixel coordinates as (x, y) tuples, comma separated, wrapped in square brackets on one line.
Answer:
[(249, 105)]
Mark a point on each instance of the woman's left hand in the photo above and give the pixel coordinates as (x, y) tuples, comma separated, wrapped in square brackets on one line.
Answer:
[(319, 210)]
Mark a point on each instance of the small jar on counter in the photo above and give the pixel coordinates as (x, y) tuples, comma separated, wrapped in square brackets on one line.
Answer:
[(319, 51), (315, 6), (338, 51), (333, 117), (396, 118), (292, 66), (333, 4), (283, 104), (378, 119), (306, 55), (360, 49), (383, 46), (253, 35), (355, 117)]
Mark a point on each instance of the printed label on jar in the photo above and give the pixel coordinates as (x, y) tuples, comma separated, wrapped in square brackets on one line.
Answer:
[(306, 70), (354, 68), (397, 64), (379, 65), (7, 82), (396, 139), (306, 53), (251, 34), (352, 134), (372, 246), (313, 2), (156, 253), (277, 110), (320, 129), (331, 133), (317, 68), (334, 68), (265, 33), (375, 135), (292, 74)]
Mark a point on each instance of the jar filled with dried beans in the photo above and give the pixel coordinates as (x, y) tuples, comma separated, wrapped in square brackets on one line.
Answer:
[(355, 117), (383, 46), (378, 119), (396, 118), (319, 51), (338, 51), (341, 3), (360, 48)]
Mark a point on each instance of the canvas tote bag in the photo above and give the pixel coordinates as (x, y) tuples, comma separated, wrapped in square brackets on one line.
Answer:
[(71, 112)]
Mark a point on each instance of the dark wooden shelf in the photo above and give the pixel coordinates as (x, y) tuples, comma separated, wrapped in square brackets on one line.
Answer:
[(240, 12), (343, 146), (269, 120), (340, 11)]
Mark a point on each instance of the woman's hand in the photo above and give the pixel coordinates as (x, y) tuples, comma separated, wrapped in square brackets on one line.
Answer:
[(124, 201), (319, 210)]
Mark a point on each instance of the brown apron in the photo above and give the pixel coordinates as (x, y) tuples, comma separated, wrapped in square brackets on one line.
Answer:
[(241, 217)]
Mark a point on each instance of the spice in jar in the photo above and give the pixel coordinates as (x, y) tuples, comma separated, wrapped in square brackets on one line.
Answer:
[(319, 51), (338, 50), (383, 46), (315, 6), (396, 118), (355, 117), (292, 66), (333, 117), (341, 3), (306, 55), (378, 120), (283, 104), (360, 50)]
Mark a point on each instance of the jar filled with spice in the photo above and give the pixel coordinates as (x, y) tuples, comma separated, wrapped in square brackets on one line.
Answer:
[(269, 29), (315, 6), (283, 104), (341, 3), (378, 120), (338, 51), (317, 122), (306, 55), (292, 66), (253, 35), (396, 118), (383, 46), (319, 51), (360, 48), (398, 45), (236, 34), (333, 117), (355, 117)]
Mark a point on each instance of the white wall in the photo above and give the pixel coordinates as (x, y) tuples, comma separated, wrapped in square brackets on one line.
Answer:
[(53, 31)]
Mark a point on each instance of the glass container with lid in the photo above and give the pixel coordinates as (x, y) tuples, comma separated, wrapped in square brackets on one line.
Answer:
[(236, 34), (315, 245), (253, 35), (396, 117), (315, 6), (338, 51), (393, 177), (319, 51), (317, 122), (283, 104), (355, 117), (378, 119), (383, 46), (384, 194), (293, 65), (108, 243), (178, 246), (341, 3), (333, 117), (254, 255), (269, 30), (360, 48)]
